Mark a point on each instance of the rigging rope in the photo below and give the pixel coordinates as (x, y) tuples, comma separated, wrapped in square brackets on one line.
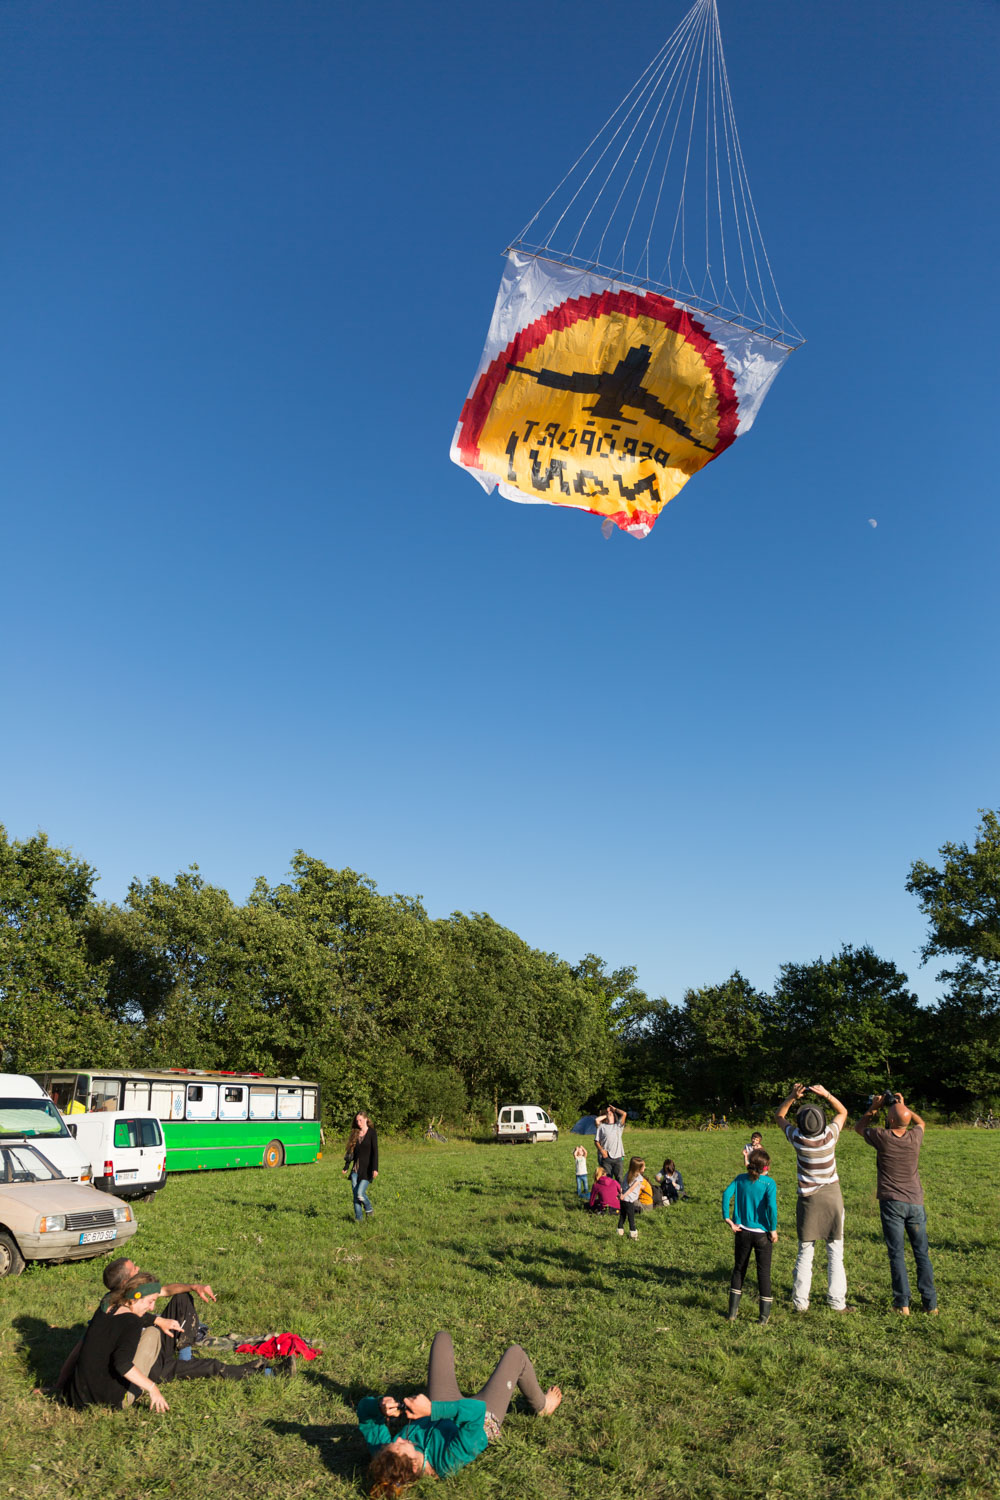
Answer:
[(672, 142)]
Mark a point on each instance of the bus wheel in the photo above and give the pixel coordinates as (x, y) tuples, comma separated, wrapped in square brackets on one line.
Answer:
[(11, 1259), (274, 1154)]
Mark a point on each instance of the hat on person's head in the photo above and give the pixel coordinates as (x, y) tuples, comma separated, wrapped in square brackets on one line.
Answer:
[(811, 1120)]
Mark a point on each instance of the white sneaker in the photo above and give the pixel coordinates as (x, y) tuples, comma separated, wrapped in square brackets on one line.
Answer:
[(621, 1231)]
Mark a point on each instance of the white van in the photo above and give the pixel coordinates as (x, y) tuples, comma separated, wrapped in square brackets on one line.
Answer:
[(126, 1148), (525, 1122), (28, 1114)]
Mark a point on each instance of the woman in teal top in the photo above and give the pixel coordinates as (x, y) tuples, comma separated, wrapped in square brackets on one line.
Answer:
[(750, 1208), (445, 1430)]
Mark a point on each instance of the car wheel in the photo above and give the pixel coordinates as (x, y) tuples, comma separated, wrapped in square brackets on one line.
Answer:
[(274, 1154), (531, 1139), (11, 1259)]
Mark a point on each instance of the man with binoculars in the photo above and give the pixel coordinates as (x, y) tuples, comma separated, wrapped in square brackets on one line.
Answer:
[(901, 1196)]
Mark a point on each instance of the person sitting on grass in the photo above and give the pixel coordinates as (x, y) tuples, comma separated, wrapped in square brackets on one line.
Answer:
[(605, 1195), (99, 1370), (105, 1373), (750, 1208), (179, 1311), (444, 1430), (671, 1182)]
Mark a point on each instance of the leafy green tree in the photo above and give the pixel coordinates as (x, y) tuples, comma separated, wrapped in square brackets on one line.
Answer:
[(961, 901), (849, 1022), (52, 995), (725, 1030)]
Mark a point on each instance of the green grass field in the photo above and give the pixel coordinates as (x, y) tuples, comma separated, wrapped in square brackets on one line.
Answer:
[(662, 1395)]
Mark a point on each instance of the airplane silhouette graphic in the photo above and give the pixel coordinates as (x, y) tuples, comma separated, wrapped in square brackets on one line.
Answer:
[(615, 389)]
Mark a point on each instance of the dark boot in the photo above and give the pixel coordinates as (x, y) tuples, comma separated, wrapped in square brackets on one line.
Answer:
[(765, 1309), (734, 1305)]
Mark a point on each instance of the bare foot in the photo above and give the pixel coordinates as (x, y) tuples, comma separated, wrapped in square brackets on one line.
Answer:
[(553, 1396)]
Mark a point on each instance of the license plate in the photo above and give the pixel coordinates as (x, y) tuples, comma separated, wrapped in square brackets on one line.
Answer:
[(92, 1236), (127, 1176)]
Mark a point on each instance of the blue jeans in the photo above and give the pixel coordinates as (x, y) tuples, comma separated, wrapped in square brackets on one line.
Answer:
[(359, 1187), (582, 1190), (900, 1220)]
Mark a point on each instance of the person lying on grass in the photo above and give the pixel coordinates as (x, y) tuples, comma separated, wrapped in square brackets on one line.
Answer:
[(444, 1430)]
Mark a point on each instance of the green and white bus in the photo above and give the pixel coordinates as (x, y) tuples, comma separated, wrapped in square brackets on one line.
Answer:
[(209, 1119)]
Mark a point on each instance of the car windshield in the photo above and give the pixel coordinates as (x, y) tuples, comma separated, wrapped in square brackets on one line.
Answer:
[(21, 1117), (25, 1164)]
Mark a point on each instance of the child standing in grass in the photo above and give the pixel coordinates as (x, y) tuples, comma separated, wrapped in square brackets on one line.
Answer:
[(581, 1171), (630, 1197), (750, 1208)]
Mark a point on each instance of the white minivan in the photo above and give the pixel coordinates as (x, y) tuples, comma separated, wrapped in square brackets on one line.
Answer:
[(126, 1148), (525, 1122), (28, 1114)]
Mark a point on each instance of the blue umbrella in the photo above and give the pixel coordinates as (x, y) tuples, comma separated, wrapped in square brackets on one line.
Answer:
[(586, 1125)]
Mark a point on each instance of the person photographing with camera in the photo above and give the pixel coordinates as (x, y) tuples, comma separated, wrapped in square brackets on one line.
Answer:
[(900, 1195), (819, 1207)]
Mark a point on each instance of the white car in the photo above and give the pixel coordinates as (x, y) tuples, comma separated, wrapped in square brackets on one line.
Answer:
[(44, 1216), (525, 1122)]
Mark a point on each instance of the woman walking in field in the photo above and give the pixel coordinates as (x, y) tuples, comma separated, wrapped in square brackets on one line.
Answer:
[(444, 1430), (361, 1160)]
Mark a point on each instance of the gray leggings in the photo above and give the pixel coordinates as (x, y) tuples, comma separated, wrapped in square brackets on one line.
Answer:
[(514, 1369)]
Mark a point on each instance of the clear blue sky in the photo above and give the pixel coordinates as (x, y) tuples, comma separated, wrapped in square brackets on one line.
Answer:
[(250, 252)]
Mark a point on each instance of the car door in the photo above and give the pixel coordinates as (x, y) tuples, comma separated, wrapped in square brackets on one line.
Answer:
[(127, 1153)]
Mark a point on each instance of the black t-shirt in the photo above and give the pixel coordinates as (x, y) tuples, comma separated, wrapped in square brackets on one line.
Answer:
[(108, 1353)]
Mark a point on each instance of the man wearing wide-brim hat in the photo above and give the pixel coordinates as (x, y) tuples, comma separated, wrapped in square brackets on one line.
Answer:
[(819, 1209)]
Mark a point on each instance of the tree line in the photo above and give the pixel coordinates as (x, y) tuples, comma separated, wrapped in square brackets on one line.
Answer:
[(326, 977)]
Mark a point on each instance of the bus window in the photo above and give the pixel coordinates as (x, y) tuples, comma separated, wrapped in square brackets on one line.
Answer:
[(308, 1104), (262, 1106), (233, 1101), (202, 1101), (59, 1090), (105, 1093), (166, 1101), (289, 1104), (136, 1094)]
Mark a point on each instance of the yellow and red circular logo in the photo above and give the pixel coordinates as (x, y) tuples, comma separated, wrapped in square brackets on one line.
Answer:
[(608, 403)]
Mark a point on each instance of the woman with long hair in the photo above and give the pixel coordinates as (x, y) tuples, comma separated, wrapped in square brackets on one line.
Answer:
[(444, 1430), (630, 1197), (361, 1160)]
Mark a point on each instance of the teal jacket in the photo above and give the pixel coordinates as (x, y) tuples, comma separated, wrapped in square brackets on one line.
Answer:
[(451, 1437), (756, 1202)]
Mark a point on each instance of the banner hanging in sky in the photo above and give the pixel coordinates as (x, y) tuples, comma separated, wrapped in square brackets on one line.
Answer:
[(594, 394)]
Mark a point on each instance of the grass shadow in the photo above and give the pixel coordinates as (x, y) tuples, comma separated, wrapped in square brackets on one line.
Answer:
[(46, 1347), (339, 1445)]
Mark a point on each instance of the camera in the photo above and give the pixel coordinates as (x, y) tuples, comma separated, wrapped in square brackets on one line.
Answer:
[(884, 1101)]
